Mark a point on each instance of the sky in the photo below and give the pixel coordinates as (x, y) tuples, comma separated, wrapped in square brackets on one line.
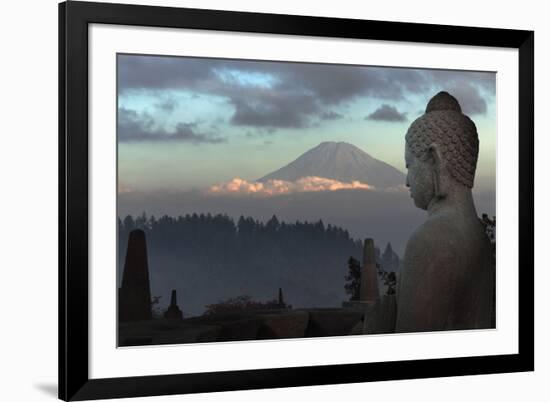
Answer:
[(192, 123)]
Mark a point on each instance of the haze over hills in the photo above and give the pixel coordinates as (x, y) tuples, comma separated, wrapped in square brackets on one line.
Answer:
[(386, 216), (339, 161), (211, 261)]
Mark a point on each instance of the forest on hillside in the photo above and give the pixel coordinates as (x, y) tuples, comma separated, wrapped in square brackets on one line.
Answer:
[(208, 258)]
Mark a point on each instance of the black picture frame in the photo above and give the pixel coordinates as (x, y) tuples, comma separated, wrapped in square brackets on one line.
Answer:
[(74, 18)]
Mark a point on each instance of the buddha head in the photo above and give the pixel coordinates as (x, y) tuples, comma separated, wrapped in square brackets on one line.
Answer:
[(441, 151)]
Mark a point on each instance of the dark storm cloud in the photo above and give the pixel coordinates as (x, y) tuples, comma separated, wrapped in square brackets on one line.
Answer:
[(470, 99), (334, 84), (296, 95), (387, 113), (302, 91), (136, 72), (135, 127), (472, 90), (328, 82), (482, 80), (273, 109)]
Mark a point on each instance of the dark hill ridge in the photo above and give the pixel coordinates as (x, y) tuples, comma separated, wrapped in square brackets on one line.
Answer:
[(340, 161), (210, 258)]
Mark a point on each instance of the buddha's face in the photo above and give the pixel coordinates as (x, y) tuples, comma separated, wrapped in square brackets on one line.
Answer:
[(420, 180)]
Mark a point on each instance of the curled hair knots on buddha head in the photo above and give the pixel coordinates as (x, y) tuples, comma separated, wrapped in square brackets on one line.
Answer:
[(455, 135)]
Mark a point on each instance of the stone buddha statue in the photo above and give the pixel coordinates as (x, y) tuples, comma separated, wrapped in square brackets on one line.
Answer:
[(447, 276)]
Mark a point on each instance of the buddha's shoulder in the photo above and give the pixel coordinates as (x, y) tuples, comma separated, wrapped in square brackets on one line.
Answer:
[(437, 233)]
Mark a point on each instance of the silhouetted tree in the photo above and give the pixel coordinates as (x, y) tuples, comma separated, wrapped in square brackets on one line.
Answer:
[(141, 221), (155, 300), (129, 224), (272, 225), (213, 256), (390, 281), (240, 304), (353, 279), (389, 260)]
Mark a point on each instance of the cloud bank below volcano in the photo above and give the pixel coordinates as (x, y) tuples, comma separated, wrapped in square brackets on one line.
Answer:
[(238, 186)]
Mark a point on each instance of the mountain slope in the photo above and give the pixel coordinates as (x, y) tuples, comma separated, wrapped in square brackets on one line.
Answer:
[(340, 161)]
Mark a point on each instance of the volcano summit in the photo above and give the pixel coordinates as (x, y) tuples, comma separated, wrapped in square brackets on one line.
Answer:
[(339, 161)]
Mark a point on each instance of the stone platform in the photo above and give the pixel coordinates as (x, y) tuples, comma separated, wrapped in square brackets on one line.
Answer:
[(264, 324)]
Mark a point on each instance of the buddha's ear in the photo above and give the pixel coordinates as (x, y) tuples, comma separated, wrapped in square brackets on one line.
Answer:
[(439, 176), (435, 153)]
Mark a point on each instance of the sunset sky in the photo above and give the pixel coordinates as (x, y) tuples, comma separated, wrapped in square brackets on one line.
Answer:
[(192, 123)]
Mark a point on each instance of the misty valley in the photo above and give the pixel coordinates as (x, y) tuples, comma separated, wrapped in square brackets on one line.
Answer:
[(305, 251), (210, 258)]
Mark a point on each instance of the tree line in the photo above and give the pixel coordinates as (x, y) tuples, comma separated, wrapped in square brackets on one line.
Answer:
[(209, 258)]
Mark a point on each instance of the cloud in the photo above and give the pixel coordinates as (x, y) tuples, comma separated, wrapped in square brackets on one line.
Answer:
[(301, 93), (330, 115), (238, 186), (154, 73), (272, 109), (265, 94), (295, 95), (334, 84), (387, 113), (135, 127), (469, 98), (259, 132), (167, 105), (472, 89), (124, 189), (484, 80)]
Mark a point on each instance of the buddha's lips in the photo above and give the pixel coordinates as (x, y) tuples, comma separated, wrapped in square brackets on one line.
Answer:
[(269, 188)]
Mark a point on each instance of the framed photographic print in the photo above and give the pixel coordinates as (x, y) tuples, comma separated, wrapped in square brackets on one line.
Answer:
[(257, 200)]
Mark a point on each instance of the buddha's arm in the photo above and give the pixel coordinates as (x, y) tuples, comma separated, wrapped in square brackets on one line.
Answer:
[(426, 290)]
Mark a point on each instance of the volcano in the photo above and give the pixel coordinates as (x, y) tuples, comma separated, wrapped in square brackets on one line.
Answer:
[(340, 161)]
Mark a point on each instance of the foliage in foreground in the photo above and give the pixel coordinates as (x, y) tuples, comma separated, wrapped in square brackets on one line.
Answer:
[(241, 304)]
